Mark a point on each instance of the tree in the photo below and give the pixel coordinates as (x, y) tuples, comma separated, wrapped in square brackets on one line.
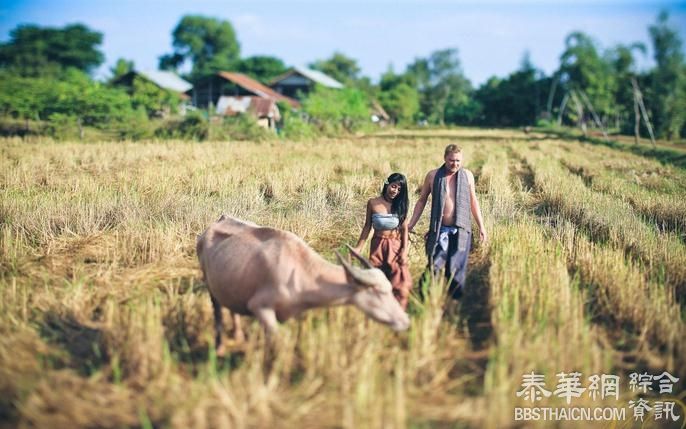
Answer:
[(262, 68), (121, 67), (401, 102), (667, 97), (440, 81), (75, 99), (623, 63), (42, 51), (513, 101), (333, 108), (339, 67), (398, 96), (583, 69), (152, 98), (208, 43)]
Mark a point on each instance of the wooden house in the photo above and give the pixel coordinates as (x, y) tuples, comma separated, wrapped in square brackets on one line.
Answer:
[(207, 91)]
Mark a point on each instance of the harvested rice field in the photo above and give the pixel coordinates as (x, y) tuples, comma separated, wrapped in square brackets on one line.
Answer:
[(105, 321)]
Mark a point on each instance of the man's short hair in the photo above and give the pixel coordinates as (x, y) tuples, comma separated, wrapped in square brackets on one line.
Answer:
[(452, 148)]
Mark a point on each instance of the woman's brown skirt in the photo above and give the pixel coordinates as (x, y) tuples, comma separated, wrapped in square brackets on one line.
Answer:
[(383, 254)]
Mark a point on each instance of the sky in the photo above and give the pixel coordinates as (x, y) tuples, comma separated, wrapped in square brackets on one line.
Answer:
[(491, 36)]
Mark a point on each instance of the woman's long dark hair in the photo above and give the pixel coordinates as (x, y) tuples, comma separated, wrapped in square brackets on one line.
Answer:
[(401, 201)]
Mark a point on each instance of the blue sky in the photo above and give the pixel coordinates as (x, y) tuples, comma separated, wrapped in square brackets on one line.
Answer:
[(491, 36)]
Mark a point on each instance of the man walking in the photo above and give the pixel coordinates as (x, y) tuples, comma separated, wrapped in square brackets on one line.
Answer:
[(453, 203)]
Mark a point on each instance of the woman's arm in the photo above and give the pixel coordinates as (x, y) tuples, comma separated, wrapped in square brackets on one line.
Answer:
[(366, 229)]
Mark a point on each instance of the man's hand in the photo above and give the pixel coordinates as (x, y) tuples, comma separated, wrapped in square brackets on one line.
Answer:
[(483, 236)]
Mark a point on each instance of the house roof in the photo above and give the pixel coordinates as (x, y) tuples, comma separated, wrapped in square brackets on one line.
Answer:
[(313, 75), (259, 106), (265, 108), (166, 80), (319, 77), (256, 87)]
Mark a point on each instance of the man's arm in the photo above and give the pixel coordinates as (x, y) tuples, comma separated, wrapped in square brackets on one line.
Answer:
[(404, 243), (421, 202), (476, 209)]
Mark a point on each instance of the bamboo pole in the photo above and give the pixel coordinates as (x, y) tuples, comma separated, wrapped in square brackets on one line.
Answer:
[(637, 115), (639, 97), (584, 97), (579, 111), (563, 105)]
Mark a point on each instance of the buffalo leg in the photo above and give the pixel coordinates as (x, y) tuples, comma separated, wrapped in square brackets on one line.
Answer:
[(237, 329), (218, 326), (264, 312), (267, 317)]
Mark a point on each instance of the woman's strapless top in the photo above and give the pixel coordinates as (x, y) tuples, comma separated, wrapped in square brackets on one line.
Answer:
[(385, 222)]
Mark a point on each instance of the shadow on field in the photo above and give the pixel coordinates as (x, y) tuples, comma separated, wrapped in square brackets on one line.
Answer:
[(84, 344), (475, 308), (470, 309), (189, 329), (521, 174)]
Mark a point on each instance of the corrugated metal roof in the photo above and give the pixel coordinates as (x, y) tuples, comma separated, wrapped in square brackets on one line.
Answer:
[(166, 80), (265, 108), (254, 86), (259, 106), (319, 77)]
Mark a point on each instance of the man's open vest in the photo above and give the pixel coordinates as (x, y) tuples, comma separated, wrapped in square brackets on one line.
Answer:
[(463, 214)]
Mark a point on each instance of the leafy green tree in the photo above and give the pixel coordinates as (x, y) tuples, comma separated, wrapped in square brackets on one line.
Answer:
[(401, 102), (441, 84), (583, 68), (41, 51), (120, 68), (390, 79), (623, 63), (293, 124), (262, 68), (513, 101), (152, 98), (75, 97), (332, 109), (92, 103), (208, 43), (24, 98), (418, 74), (668, 90), (340, 67)]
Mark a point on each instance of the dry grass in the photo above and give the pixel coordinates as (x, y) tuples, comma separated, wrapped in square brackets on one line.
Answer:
[(104, 321)]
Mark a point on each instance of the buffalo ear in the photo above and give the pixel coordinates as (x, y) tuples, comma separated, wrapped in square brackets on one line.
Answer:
[(359, 257), (360, 277)]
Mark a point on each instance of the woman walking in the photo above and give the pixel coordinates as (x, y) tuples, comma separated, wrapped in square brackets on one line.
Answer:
[(387, 215)]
